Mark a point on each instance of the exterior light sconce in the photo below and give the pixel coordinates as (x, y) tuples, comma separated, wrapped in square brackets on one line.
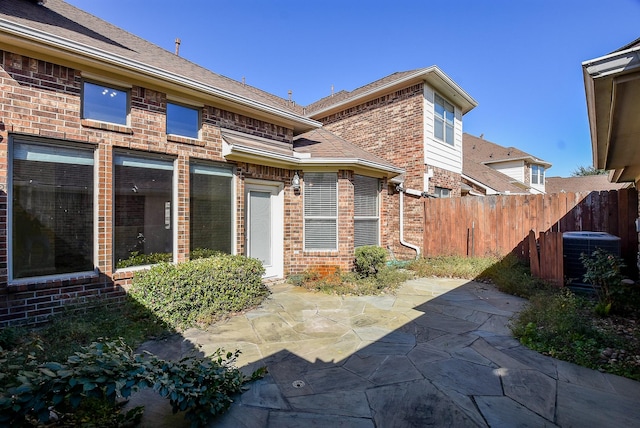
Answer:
[(295, 182)]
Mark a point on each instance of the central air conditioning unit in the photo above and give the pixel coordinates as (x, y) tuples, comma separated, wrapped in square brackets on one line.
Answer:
[(577, 243)]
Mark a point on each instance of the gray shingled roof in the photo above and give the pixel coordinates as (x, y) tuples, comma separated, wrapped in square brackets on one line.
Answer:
[(320, 143), (491, 178), (345, 95), (587, 183), (64, 20), (482, 151)]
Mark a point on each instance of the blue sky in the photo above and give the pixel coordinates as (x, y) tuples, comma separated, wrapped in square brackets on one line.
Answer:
[(520, 59)]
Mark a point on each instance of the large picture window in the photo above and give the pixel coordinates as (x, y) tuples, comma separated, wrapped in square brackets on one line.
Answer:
[(366, 211), (211, 208), (320, 211), (51, 209), (104, 103), (443, 120), (143, 232), (183, 121)]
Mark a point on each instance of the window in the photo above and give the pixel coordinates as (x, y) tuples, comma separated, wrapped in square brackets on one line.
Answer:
[(183, 121), (104, 103), (537, 174), (142, 210), (443, 120), (366, 212), (211, 205), (51, 209), (320, 211), (442, 192)]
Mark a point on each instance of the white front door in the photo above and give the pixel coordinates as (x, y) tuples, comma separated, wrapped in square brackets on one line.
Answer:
[(264, 225)]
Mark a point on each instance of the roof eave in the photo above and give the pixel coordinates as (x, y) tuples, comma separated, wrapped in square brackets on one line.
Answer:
[(531, 159), (431, 74), (40, 41), (599, 79), (265, 157)]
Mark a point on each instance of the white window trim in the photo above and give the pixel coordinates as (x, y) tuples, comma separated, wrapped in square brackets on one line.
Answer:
[(444, 121), (9, 191), (107, 83), (189, 106), (376, 217), (335, 217)]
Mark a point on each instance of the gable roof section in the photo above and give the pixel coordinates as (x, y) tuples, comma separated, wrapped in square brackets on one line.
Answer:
[(60, 30), (317, 148), (432, 75), (490, 179), (485, 152), (587, 183)]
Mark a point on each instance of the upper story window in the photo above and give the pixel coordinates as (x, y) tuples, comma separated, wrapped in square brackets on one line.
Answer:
[(320, 211), (443, 120), (183, 121), (51, 209), (105, 103), (537, 174), (442, 192), (366, 211)]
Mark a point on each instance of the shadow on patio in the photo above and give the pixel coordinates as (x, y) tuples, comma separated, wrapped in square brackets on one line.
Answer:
[(438, 353)]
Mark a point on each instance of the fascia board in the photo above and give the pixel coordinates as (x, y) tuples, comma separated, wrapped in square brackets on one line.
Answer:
[(424, 74), (41, 37), (613, 63), (293, 161)]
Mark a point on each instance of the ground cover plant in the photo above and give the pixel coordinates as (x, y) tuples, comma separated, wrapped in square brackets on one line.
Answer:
[(558, 322), (372, 276), (78, 362)]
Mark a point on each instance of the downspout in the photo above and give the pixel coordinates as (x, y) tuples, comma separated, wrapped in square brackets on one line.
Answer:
[(402, 191)]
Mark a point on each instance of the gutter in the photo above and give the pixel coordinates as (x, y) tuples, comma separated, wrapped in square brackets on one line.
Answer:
[(423, 72), (297, 159), (40, 37), (411, 192)]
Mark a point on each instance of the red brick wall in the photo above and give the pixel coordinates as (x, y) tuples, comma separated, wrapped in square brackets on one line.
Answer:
[(446, 179), (391, 127), (41, 99)]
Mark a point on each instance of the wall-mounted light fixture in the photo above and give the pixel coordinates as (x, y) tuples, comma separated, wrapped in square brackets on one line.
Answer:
[(295, 181)]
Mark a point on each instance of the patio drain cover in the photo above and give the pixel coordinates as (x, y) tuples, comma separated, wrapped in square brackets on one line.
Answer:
[(298, 383)]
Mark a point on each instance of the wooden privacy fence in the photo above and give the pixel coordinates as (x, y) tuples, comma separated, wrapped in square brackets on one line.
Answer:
[(498, 225)]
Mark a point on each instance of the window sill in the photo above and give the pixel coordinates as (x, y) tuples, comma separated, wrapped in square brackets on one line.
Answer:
[(49, 281), (89, 123), (323, 253), (184, 140)]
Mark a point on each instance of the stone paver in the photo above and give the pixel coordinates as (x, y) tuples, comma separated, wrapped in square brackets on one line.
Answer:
[(438, 353)]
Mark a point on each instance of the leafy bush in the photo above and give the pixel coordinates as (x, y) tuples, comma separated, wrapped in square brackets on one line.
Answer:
[(603, 272), (203, 253), (558, 324), (199, 291), (137, 259), (511, 275), (387, 280), (369, 259), (104, 371)]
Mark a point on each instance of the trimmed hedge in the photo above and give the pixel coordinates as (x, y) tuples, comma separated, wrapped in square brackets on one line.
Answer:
[(369, 259), (200, 291)]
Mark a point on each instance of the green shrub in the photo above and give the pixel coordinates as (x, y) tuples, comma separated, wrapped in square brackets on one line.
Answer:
[(451, 266), (369, 259), (203, 253), (199, 291), (137, 259), (558, 325), (104, 371), (603, 272)]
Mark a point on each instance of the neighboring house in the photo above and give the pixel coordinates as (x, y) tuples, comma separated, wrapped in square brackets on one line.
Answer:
[(116, 153), (612, 86), (587, 183), (413, 119), (515, 171)]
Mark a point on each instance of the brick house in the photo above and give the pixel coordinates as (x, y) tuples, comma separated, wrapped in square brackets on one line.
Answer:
[(413, 119), (116, 153), (491, 169)]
